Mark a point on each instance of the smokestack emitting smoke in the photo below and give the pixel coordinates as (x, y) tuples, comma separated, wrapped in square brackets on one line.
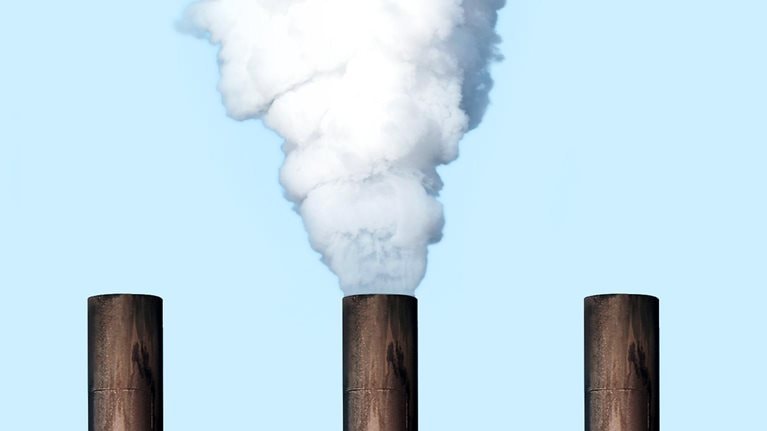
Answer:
[(622, 363), (125, 363), (380, 363), (369, 97)]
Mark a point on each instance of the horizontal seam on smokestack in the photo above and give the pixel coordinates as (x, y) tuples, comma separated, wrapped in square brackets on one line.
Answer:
[(616, 390), (375, 390), (120, 390)]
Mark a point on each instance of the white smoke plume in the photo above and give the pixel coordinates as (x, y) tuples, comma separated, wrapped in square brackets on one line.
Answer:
[(370, 96)]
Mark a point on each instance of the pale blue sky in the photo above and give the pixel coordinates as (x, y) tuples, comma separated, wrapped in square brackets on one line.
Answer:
[(624, 151)]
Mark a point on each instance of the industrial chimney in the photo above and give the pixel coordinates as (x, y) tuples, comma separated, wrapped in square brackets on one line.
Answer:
[(380, 363), (622, 363), (125, 363)]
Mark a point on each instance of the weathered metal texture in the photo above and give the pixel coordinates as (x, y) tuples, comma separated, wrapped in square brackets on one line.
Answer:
[(380, 363), (125, 363), (622, 363)]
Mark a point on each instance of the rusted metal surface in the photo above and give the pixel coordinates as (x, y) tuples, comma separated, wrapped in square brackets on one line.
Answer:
[(125, 363), (380, 363), (622, 363)]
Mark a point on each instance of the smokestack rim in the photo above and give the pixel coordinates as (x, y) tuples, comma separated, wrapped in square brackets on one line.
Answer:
[(121, 295), (605, 296)]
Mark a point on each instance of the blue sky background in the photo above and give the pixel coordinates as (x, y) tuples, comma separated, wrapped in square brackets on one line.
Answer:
[(625, 151)]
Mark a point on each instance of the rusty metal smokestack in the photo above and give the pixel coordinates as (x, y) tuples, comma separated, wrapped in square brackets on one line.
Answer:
[(380, 363), (622, 363), (125, 363)]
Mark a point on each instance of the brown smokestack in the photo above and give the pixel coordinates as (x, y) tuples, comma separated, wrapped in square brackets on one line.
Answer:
[(124, 363), (622, 363), (380, 363)]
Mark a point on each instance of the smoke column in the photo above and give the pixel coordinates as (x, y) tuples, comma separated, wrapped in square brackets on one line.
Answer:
[(370, 97)]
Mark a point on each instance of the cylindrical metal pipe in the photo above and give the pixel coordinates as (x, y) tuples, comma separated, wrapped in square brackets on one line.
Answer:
[(380, 363), (622, 363), (125, 363)]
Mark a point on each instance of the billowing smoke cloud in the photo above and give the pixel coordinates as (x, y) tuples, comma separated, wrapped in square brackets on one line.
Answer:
[(370, 97)]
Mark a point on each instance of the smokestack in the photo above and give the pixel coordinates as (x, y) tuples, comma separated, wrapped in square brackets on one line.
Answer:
[(380, 363), (125, 363), (622, 363)]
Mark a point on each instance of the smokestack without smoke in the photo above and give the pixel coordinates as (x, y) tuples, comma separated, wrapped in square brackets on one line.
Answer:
[(380, 363), (622, 363), (125, 363)]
